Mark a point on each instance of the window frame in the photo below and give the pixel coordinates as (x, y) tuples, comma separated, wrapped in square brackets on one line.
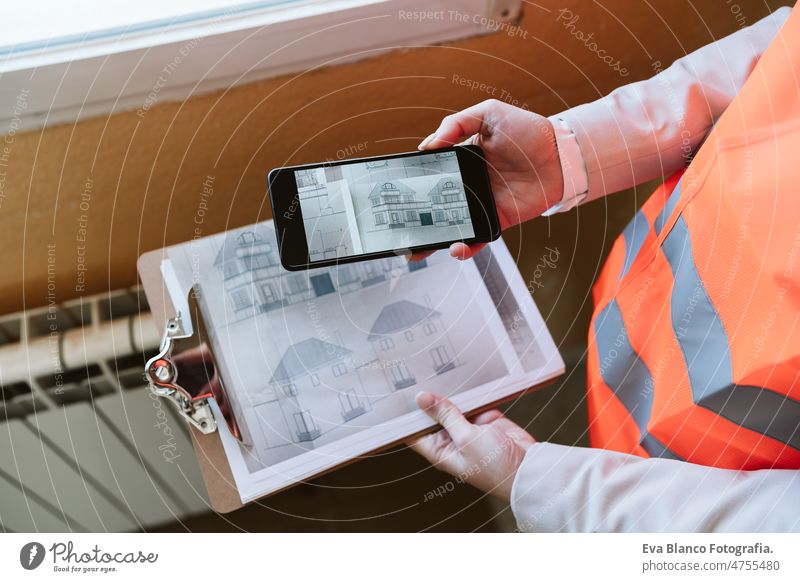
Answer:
[(400, 371), (439, 351), (230, 269), (239, 305), (242, 45), (348, 397)]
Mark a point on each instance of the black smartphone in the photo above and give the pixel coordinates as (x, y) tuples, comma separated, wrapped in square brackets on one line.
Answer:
[(368, 208)]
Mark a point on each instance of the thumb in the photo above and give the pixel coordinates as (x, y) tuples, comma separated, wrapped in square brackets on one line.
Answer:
[(446, 414), (458, 126)]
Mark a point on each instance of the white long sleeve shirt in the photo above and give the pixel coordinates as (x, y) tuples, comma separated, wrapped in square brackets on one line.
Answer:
[(650, 129), (639, 132)]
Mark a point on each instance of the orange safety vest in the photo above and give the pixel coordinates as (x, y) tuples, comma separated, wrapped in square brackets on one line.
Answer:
[(694, 347)]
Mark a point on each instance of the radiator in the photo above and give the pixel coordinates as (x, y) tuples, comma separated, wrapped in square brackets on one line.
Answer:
[(83, 444)]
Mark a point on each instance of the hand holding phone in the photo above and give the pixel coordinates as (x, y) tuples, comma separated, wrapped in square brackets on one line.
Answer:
[(368, 208), (521, 155)]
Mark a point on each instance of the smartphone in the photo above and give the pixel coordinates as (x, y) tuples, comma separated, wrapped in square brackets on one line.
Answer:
[(368, 208)]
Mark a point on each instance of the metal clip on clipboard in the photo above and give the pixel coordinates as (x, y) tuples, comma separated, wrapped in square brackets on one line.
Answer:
[(184, 371), (162, 378)]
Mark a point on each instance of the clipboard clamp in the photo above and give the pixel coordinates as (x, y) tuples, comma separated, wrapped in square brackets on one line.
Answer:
[(162, 378)]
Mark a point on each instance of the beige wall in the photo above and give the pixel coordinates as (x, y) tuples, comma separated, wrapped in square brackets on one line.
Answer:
[(147, 174)]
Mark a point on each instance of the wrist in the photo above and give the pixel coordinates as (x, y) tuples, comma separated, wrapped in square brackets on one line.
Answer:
[(575, 180)]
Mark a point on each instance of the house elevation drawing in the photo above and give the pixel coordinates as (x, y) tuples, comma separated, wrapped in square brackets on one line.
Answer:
[(254, 281), (410, 322), (317, 385), (298, 407), (396, 205)]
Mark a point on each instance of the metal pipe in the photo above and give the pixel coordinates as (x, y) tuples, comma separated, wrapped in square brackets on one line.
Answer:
[(77, 348)]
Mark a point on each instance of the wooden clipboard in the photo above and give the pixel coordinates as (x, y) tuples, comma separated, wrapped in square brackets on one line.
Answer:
[(212, 459)]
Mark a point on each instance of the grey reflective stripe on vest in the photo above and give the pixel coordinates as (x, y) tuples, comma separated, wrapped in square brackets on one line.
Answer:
[(621, 368), (697, 326), (626, 374), (634, 235), (655, 448), (669, 206), (759, 409), (704, 344)]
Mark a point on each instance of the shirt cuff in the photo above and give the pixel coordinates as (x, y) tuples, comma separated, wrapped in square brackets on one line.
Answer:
[(550, 486), (573, 168)]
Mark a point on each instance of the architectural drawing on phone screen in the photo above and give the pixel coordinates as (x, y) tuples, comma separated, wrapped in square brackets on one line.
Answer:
[(383, 204)]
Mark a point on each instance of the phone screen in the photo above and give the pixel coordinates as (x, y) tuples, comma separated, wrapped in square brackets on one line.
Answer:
[(383, 204)]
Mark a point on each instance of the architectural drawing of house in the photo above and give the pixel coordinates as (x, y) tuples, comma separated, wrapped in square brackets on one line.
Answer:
[(249, 263), (405, 322), (315, 387), (255, 282), (396, 205), (449, 202)]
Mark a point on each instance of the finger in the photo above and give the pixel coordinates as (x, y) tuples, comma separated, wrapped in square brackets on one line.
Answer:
[(426, 447), (431, 447), (457, 126), (487, 417), (447, 414), (462, 251), (424, 143)]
